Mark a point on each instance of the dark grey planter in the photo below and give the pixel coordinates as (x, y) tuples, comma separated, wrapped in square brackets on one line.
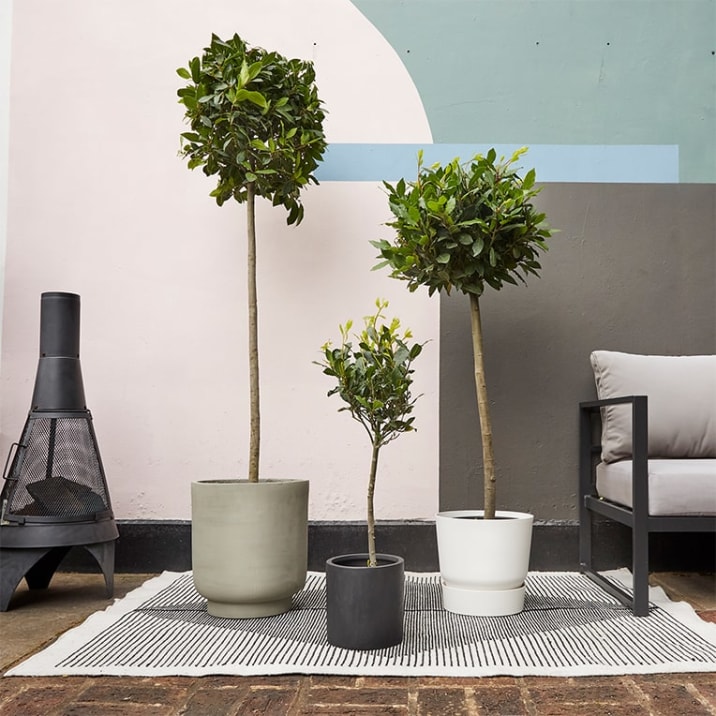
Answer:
[(364, 604)]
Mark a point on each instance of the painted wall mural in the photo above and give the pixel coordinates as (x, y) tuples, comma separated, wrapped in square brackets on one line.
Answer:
[(601, 90)]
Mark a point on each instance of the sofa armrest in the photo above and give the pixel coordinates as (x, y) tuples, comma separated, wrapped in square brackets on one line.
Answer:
[(589, 450)]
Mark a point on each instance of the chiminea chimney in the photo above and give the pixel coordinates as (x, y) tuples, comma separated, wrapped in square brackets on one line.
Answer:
[(55, 495), (58, 384)]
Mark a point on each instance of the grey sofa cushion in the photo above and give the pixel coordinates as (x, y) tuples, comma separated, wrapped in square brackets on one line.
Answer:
[(682, 403), (676, 487)]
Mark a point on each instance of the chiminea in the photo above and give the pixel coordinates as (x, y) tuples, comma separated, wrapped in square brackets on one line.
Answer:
[(55, 494)]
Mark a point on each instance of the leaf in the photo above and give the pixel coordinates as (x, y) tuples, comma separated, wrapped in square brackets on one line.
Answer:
[(257, 98), (255, 70), (195, 68), (184, 73), (243, 74)]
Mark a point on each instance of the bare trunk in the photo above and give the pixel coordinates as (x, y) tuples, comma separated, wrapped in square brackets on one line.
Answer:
[(372, 562), (255, 430), (483, 407)]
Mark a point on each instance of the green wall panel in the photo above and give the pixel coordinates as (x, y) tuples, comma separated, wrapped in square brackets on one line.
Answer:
[(556, 72)]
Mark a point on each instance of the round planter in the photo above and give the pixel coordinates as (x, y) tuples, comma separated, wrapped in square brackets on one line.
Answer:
[(483, 563), (249, 545), (364, 605)]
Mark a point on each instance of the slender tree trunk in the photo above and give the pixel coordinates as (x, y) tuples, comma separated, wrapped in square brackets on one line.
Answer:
[(255, 429), (371, 513), (483, 407)]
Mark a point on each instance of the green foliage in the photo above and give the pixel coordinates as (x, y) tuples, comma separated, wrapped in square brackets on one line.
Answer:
[(465, 226), (374, 376), (255, 118)]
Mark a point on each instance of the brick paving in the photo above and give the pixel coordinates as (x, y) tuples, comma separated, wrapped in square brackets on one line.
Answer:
[(657, 695)]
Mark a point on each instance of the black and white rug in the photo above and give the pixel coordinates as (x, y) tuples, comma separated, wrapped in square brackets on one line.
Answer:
[(569, 627)]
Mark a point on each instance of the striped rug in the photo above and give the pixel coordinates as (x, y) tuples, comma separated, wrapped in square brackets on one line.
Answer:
[(569, 627)]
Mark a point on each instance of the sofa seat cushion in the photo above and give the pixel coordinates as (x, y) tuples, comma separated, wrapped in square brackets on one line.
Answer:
[(676, 487)]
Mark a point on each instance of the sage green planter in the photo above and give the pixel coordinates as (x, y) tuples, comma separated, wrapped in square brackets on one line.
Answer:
[(249, 545)]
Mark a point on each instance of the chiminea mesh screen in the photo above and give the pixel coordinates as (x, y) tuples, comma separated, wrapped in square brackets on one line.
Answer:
[(57, 471)]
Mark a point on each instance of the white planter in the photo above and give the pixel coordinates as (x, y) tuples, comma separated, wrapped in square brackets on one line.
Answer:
[(483, 563), (249, 545)]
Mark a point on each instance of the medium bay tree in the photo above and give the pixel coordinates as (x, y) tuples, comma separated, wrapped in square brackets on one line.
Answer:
[(467, 226)]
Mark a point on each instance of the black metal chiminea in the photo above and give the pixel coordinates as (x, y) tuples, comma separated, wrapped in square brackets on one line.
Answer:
[(55, 494)]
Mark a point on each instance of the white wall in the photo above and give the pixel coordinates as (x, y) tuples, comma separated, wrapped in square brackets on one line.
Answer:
[(101, 205)]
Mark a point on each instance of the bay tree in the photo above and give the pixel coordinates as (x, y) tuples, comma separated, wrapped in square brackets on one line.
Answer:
[(374, 374), (467, 227), (256, 124)]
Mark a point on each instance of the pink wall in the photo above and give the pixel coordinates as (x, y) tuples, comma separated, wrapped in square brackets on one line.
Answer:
[(100, 204)]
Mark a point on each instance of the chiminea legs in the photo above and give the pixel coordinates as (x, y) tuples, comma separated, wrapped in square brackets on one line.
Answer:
[(38, 564)]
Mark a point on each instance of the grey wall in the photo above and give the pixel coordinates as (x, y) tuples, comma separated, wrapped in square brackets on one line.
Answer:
[(632, 269)]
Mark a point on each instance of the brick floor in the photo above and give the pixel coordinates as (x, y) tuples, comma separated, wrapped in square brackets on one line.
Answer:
[(653, 695)]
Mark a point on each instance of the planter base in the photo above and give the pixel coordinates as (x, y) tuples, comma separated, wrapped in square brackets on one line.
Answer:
[(248, 611), (483, 602)]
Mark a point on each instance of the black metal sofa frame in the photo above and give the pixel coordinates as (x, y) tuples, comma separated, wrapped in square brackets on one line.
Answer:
[(638, 518)]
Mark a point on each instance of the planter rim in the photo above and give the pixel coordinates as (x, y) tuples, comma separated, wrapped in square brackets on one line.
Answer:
[(391, 560), (239, 481), (504, 514)]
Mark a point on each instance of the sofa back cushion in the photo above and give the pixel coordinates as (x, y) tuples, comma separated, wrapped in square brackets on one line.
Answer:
[(681, 393)]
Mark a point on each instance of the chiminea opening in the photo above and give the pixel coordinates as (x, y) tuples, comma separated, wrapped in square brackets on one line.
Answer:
[(55, 494)]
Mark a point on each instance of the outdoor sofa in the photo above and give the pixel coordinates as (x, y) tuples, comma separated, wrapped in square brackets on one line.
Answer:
[(647, 455)]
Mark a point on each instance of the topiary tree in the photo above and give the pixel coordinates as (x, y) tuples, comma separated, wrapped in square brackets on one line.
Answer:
[(374, 379), (467, 227), (257, 125)]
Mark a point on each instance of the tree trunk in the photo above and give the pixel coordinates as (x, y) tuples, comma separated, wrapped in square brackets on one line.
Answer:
[(372, 562), (255, 429), (483, 407)]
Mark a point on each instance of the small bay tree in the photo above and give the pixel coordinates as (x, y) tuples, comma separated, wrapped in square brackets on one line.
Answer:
[(374, 377), (467, 226), (256, 123)]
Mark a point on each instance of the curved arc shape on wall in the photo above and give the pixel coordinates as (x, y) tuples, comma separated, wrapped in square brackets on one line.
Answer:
[(599, 77)]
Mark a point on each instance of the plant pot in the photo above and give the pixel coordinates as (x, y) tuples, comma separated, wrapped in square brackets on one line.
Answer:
[(249, 545), (364, 605), (483, 563)]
